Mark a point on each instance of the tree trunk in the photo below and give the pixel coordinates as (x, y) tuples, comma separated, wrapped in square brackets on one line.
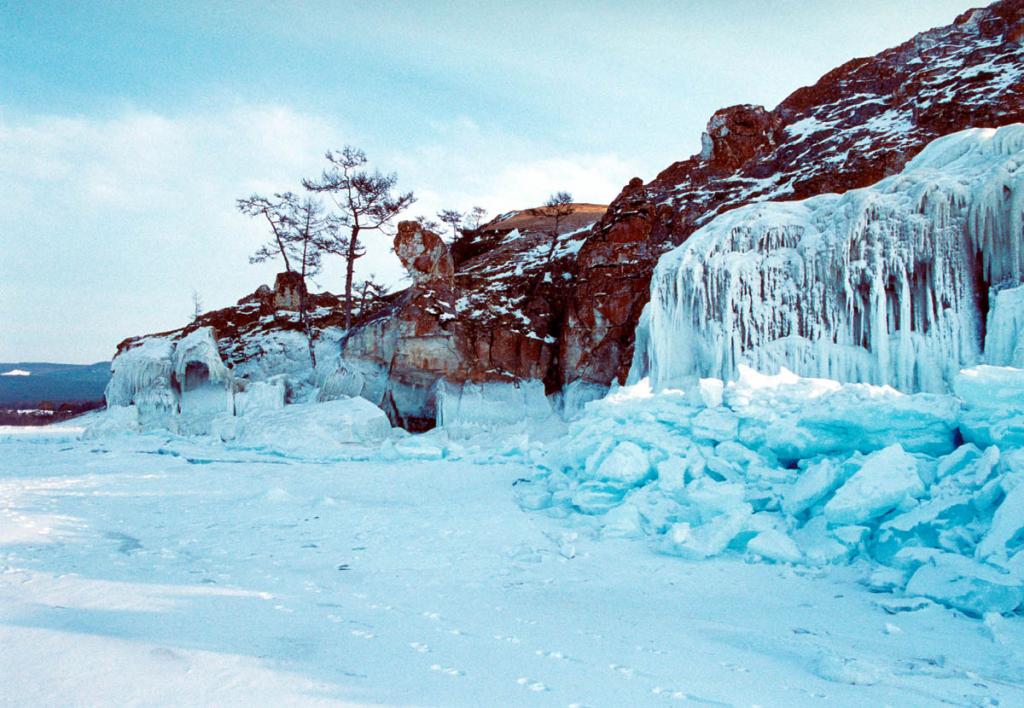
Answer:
[(350, 267), (304, 317)]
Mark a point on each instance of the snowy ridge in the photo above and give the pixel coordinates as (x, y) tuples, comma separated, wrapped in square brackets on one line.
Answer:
[(880, 285)]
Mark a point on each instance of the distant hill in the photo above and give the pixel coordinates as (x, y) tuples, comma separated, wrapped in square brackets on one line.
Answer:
[(26, 384)]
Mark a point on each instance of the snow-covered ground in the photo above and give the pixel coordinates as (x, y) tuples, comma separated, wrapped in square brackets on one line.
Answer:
[(154, 569)]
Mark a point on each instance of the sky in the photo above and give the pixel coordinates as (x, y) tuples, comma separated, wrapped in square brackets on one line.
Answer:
[(128, 129)]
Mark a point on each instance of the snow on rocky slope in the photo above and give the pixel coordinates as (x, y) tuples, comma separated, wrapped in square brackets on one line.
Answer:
[(476, 315), (889, 284)]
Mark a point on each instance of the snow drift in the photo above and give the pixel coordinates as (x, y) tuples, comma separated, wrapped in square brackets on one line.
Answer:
[(887, 285)]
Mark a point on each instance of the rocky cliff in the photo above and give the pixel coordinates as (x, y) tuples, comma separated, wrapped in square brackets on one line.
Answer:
[(489, 309), (505, 304)]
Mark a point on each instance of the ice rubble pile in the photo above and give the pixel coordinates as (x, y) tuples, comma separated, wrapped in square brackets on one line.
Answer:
[(883, 285), (925, 489)]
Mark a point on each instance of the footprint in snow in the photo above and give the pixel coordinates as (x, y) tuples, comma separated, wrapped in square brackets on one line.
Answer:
[(449, 670), (530, 684), (362, 634), (420, 647), (551, 654), (165, 654), (668, 693), (627, 671), (684, 696), (432, 616), (650, 650)]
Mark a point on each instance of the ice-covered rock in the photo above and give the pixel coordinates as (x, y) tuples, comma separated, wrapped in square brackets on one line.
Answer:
[(204, 384), (179, 386), (875, 285), (114, 420), (138, 368), (1004, 330), (256, 396), (966, 585), (887, 479)]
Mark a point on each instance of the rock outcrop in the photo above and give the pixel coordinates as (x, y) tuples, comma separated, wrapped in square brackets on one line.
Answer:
[(483, 322), (424, 255), (289, 291)]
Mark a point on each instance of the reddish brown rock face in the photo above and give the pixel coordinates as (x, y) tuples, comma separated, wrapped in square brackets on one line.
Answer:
[(859, 123), (491, 320), (737, 135), (423, 254)]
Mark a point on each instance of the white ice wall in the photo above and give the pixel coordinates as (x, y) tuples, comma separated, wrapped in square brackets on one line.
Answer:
[(876, 285), (468, 408)]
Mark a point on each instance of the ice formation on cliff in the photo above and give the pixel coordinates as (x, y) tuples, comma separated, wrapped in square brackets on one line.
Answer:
[(180, 386), (204, 385), (884, 285)]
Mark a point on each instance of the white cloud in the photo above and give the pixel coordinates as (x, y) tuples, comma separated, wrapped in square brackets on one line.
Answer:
[(109, 223)]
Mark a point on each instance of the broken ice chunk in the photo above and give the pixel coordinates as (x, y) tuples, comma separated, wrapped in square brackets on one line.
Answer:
[(887, 479), (966, 585)]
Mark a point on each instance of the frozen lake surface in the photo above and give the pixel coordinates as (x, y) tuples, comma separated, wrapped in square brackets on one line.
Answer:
[(150, 569)]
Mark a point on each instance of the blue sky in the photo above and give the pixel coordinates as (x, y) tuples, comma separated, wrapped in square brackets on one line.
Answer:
[(127, 128)]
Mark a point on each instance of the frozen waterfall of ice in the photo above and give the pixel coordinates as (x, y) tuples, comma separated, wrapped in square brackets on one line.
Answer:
[(883, 285)]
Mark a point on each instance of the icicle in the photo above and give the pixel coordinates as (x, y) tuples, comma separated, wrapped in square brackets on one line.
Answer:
[(876, 285)]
